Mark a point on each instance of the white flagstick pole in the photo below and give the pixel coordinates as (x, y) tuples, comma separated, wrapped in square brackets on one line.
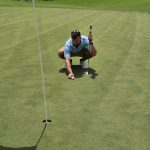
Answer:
[(41, 62)]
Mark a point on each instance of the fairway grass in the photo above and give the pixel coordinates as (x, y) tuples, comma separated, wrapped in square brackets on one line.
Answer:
[(119, 5), (107, 110)]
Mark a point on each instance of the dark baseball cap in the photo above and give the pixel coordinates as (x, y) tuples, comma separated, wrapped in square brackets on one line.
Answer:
[(75, 34)]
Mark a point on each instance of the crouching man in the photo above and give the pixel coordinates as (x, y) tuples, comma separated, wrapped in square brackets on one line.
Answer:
[(80, 46)]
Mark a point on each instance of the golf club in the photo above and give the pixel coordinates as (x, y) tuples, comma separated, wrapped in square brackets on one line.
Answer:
[(90, 33)]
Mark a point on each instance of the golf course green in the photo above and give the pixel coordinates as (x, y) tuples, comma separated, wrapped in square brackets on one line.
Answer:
[(108, 109)]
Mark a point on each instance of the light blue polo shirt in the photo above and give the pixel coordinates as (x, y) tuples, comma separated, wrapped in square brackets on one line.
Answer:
[(70, 49)]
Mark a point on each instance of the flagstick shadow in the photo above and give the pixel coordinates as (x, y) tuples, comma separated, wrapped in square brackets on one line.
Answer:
[(26, 148), (80, 72)]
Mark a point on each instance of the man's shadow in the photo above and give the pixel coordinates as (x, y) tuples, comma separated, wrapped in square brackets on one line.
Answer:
[(26, 148), (80, 72)]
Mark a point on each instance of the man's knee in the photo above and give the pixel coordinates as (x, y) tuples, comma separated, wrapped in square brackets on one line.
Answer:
[(61, 53), (94, 53)]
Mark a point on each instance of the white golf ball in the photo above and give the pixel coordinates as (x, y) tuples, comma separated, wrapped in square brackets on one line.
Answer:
[(86, 72)]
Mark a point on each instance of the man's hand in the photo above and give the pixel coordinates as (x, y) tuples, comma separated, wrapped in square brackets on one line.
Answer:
[(69, 69), (71, 76)]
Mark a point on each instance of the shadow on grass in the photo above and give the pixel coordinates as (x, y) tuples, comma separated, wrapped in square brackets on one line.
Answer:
[(26, 148), (21, 148), (80, 72)]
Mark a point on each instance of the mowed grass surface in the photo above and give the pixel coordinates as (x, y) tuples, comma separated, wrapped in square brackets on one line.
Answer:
[(109, 110)]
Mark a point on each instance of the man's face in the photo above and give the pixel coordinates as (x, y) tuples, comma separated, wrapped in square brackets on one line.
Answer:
[(77, 41)]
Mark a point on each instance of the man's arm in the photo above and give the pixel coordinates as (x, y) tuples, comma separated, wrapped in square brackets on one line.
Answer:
[(92, 47), (69, 69)]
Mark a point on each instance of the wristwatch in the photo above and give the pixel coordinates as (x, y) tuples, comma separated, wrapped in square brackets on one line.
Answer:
[(91, 43)]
